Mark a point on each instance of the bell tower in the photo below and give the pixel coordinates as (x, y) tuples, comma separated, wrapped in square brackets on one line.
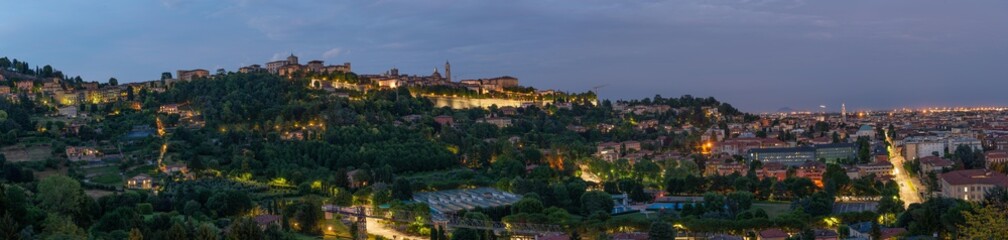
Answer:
[(447, 71)]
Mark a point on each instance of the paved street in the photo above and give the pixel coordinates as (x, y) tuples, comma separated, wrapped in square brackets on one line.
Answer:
[(909, 186), (376, 228)]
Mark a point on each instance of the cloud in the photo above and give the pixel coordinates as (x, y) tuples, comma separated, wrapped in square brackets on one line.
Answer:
[(280, 56), (332, 53), (172, 4)]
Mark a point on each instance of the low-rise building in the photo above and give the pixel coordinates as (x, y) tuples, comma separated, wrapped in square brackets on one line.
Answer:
[(825, 234), (500, 122), (835, 152), (455, 200), (813, 170), (820, 141), (618, 148), (996, 157), (721, 167), (862, 231), (445, 120), (170, 108), (24, 86), (773, 170), (788, 156), (388, 82), (1001, 143), (970, 185), (266, 220), (971, 142), (68, 111), (881, 170), (742, 145), (630, 236), (865, 131), (51, 87), (772, 234), (189, 75), (934, 164), (920, 147), (175, 168), (142, 181), (608, 154), (75, 154)]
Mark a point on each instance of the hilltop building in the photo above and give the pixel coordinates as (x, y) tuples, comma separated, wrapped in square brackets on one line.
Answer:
[(491, 84), (291, 65), (189, 75)]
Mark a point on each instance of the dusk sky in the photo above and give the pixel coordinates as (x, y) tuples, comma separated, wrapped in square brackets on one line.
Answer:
[(756, 55)]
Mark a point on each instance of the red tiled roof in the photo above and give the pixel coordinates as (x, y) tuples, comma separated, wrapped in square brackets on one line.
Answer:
[(825, 233), (813, 164), (879, 163), (266, 219), (822, 140), (771, 166), (975, 176), (630, 236), (773, 233), (996, 154), (554, 237), (892, 232), (772, 142), (935, 161)]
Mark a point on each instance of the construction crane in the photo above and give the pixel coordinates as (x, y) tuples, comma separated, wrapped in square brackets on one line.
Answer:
[(596, 88)]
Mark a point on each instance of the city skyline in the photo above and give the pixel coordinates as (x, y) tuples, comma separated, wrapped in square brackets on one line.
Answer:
[(869, 55)]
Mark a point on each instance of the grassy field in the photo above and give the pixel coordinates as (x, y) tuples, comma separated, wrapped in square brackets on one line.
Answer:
[(108, 179), (32, 153), (100, 170), (773, 209), (148, 169), (51, 172)]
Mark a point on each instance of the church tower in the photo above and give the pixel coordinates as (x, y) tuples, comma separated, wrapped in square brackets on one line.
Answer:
[(447, 71), (843, 112)]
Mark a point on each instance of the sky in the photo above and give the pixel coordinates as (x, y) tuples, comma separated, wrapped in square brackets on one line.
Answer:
[(758, 55)]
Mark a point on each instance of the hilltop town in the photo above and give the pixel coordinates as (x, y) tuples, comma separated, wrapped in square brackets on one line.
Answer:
[(295, 151)]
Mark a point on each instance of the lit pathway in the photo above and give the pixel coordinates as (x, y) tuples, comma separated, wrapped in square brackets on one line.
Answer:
[(908, 186), (376, 228)]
